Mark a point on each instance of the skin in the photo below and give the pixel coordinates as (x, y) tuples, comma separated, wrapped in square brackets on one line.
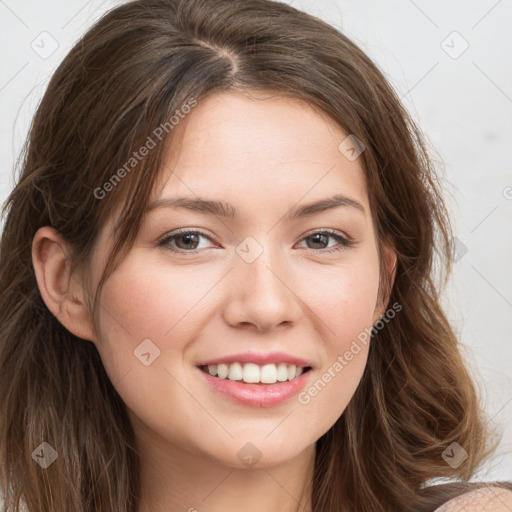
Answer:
[(265, 156), (490, 498)]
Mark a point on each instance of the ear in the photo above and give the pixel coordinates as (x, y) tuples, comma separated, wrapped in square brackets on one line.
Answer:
[(390, 261), (61, 292)]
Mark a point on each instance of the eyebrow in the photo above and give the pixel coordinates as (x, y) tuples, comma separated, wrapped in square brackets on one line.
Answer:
[(227, 210)]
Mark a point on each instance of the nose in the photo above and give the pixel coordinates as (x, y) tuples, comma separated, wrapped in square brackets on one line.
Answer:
[(261, 294)]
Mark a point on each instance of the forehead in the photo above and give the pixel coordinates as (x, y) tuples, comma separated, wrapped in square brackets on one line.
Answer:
[(261, 147)]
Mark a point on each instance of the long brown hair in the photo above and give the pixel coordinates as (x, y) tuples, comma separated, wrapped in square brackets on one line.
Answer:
[(129, 74)]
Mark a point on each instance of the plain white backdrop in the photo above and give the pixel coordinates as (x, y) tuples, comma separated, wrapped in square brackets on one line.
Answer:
[(450, 62)]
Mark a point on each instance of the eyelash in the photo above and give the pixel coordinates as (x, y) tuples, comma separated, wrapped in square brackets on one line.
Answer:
[(344, 242)]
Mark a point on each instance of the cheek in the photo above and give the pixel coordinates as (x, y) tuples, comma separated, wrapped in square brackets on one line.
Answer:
[(333, 384), (345, 308), (146, 322), (148, 301), (149, 316), (327, 395), (344, 300)]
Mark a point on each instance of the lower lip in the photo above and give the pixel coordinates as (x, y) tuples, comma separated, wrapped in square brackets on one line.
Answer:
[(257, 395)]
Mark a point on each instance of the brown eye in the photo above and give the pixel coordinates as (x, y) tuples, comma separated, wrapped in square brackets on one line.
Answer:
[(322, 237), (185, 241)]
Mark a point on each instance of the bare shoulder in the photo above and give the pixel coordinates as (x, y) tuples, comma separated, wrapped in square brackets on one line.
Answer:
[(484, 499)]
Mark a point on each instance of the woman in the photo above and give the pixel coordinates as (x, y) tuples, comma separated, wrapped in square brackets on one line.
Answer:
[(173, 337)]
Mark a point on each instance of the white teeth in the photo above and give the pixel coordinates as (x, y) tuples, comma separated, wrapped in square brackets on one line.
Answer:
[(222, 370), (282, 372), (235, 371), (253, 373), (268, 374)]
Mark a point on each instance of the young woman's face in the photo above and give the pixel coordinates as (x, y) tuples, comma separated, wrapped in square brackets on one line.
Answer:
[(262, 288)]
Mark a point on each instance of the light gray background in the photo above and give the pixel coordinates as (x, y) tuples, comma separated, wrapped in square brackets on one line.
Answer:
[(461, 99)]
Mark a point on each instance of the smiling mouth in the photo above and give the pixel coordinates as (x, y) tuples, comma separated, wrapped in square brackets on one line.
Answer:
[(252, 373)]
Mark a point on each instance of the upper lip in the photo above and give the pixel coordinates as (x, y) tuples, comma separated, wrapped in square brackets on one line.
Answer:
[(258, 358)]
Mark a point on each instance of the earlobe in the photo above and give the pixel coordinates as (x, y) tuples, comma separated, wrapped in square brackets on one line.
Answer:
[(61, 292)]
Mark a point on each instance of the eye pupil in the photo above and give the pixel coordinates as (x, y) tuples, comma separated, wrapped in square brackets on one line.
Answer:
[(316, 235), (188, 237)]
